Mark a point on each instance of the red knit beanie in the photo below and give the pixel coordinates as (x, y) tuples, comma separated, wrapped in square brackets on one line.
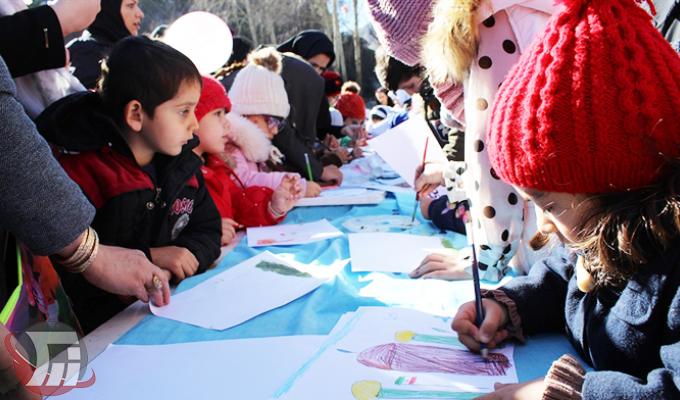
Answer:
[(213, 96), (592, 107), (351, 105)]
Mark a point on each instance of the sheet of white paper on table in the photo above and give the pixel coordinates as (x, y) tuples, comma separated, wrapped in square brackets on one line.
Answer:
[(343, 196), (255, 286), (233, 369), (292, 234), (403, 351), (402, 147), (392, 252)]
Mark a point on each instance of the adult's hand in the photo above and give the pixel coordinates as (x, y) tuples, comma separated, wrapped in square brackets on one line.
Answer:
[(128, 272), (76, 15)]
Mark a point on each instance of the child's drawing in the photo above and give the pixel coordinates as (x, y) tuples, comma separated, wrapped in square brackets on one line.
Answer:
[(281, 269), (370, 390), (379, 223), (408, 336), (420, 358)]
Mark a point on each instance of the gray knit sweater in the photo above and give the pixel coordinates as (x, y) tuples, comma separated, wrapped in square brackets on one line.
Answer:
[(39, 203)]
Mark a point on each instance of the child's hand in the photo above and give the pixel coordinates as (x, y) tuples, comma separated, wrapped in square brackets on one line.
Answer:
[(429, 177), (491, 332), (343, 154), (517, 391), (441, 266), (178, 260), (229, 227), (286, 195), (313, 189), (331, 141)]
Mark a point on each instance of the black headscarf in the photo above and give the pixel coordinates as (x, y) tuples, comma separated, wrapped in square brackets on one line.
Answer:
[(242, 47), (109, 23), (309, 43)]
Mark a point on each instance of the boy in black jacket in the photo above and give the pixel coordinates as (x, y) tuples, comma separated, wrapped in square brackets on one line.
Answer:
[(129, 147)]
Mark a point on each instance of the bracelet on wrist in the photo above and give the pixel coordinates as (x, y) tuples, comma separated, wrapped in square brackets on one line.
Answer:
[(84, 255)]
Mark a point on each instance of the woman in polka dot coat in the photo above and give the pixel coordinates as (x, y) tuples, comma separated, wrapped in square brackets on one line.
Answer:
[(472, 43)]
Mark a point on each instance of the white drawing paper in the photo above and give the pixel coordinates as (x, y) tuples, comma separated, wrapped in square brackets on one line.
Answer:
[(343, 197), (292, 234), (255, 286)]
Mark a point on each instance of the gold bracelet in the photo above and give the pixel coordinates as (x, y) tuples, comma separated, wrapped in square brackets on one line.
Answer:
[(79, 253), (87, 251)]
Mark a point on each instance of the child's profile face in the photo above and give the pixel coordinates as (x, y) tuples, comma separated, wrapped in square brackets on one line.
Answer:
[(563, 214), (263, 122), (213, 130), (173, 123)]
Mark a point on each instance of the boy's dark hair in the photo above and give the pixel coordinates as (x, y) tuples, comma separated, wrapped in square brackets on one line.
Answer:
[(625, 231), (146, 70), (391, 72)]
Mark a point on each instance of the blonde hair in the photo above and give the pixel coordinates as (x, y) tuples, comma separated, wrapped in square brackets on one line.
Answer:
[(450, 45)]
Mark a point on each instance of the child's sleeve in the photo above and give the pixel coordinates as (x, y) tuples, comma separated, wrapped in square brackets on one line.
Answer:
[(250, 175), (536, 302), (251, 207), (203, 234)]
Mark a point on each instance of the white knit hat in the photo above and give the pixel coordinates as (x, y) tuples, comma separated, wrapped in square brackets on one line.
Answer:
[(258, 88)]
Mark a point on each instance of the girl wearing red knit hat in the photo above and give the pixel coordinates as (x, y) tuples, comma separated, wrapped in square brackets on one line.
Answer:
[(239, 206), (586, 125)]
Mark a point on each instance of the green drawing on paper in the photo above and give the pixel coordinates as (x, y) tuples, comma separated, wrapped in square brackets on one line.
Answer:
[(371, 390), (281, 269), (447, 244)]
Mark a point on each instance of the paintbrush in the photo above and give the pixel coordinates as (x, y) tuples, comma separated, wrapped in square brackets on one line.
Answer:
[(479, 308)]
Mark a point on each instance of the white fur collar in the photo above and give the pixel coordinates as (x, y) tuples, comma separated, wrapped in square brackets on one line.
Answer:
[(248, 137)]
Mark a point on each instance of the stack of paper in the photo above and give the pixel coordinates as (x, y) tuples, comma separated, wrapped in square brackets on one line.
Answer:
[(343, 197)]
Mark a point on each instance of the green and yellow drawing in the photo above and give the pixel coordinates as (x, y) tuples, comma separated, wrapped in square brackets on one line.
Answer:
[(281, 269)]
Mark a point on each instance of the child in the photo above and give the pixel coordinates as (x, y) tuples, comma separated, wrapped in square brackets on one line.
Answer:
[(129, 147), (238, 205), (353, 110), (260, 107), (586, 126)]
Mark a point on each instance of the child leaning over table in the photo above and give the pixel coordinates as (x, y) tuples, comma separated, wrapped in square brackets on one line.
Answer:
[(239, 206), (260, 108), (129, 148), (586, 126)]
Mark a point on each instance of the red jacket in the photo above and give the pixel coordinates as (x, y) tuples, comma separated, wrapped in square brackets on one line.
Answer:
[(245, 205)]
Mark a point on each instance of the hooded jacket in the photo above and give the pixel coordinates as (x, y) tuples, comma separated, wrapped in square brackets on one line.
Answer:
[(163, 204), (250, 149), (96, 42)]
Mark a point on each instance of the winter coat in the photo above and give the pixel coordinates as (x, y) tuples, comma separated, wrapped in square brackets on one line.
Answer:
[(629, 335), (163, 204), (248, 206), (250, 149)]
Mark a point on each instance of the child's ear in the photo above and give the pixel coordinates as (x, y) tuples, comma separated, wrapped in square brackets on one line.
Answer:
[(133, 115)]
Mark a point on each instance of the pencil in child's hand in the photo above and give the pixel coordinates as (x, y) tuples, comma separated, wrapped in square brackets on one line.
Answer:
[(479, 308), (309, 168)]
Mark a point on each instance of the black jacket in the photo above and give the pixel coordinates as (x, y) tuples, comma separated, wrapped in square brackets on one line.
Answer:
[(32, 41), (96, 42), (629, 335), (164, 204), (306, 90)]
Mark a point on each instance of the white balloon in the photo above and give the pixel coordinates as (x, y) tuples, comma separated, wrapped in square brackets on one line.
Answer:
[(203, 37)]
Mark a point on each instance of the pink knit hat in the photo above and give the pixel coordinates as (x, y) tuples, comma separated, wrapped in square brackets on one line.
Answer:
[(400, 25)]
